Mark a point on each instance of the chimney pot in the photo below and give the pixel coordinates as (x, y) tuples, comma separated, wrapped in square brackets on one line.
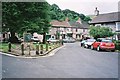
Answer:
[(96, 11)]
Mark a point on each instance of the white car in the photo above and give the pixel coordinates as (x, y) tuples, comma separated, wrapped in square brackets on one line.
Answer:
[(82, 43), (89, 42), (35, 39), (69, 40), (52, 40)]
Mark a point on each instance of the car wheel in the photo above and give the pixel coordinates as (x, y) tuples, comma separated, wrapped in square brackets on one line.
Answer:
[(92, 47), (113, 50), (98, 48), (84, 46), (87, 46), (81, 45)]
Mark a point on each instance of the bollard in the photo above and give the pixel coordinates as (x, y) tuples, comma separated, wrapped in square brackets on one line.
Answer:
[(59, 43), (37, 49), (22, 48), (62, 42), (53, 45), (46, 46), (29, 47), (9, 47), (41, 47), (50, 45), (56, 44)]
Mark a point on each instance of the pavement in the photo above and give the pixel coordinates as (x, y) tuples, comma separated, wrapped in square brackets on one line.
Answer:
[(71, 61), (0, 67)]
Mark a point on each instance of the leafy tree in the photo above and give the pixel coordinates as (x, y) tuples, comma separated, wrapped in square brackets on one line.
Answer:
[(82, 16), (10, 18), (87, 19), (20, 17), (73, 16), (56, 13), (100, 32)]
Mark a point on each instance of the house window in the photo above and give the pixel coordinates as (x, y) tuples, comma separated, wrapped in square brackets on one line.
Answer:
[(76, 30), (76, 35), (72, 29), (67, 29), (83, 30), (98, 25), (118, 36)]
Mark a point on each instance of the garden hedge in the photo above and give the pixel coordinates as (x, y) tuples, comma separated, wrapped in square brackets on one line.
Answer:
[(117, 44)]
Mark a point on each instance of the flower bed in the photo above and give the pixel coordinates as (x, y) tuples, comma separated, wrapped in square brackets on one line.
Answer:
[(28, 49)]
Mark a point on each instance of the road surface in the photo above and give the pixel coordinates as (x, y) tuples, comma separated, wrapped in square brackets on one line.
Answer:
[(72, 61)]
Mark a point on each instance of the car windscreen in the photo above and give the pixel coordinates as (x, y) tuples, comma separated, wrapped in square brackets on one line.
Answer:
[(107, 41), (90, 40), (83, 41), (51, 39)]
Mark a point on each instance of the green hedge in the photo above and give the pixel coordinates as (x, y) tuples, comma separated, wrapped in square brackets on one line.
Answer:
[(117, 44)]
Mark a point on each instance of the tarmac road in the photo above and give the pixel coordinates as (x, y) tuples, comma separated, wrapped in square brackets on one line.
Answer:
[(72, 61)]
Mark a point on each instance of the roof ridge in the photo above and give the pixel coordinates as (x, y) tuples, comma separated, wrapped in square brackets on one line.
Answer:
[(109, 13)]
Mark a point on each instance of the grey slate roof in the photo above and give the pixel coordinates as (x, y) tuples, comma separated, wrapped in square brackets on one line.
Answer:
[(105, 18), (72, 24), (59, 23), (79, 25)]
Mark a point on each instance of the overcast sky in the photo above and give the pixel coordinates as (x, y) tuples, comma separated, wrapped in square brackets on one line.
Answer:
[(87, 7)]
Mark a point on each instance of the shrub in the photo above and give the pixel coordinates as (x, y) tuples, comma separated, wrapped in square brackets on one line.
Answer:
[(117, 44), (100, 32)]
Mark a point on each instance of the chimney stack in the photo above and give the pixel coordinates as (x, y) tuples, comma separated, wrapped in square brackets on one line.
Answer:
[(67, 19), (96, 12), (79, 20)]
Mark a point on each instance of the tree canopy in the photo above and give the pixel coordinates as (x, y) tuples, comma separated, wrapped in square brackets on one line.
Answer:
[(22, 16), (58, 14), (34, 16), (31, 15), (100, 32)]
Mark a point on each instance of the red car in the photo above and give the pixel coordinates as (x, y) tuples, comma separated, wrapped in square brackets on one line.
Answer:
[(103, 44)]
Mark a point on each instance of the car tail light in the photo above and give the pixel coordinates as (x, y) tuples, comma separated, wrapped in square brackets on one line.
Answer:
[(102, 44), (112, 44)]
